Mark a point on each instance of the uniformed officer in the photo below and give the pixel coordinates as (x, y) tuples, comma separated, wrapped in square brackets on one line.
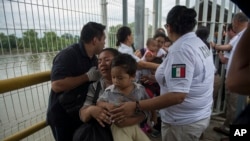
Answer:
[(186, 79)]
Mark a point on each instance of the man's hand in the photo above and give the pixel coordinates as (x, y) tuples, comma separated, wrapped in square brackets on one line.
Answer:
[(93, 74)]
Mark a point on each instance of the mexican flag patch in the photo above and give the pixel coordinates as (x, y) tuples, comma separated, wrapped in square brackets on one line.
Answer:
[(178, 70)]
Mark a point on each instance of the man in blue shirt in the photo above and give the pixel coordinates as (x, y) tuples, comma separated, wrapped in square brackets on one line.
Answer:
[(74, 68)]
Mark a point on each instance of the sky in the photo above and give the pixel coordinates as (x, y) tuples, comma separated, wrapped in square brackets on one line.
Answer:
[(20, 15)]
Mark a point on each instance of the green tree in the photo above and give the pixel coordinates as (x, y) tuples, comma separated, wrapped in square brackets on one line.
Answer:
[(50, 40), (30, 38), (67, 36), (8, 42)]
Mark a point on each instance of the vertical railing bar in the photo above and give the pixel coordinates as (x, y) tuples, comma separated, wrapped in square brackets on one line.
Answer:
[(53, 4), (1, 43), (21, 25), (27, 25), (98, 12), (64, 29), (43, 93), (34, 26), (80, 18), (58, 10), (50, 29), (86, 12), (76, 22), (40, 29), (11, 95), (38, 95), (14, 26), (61, 24), (82, 13), (7, 28), (68, 30), (5, 105), (72, 28), (45, 28)]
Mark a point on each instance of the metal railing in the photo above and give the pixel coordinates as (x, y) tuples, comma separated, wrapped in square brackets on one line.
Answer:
[(22, 82), (33, 31)]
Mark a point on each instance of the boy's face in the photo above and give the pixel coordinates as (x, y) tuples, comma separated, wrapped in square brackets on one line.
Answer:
[(120, 78), (153, 47)]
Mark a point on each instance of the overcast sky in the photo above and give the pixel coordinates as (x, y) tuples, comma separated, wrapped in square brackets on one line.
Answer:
[(39, 14)]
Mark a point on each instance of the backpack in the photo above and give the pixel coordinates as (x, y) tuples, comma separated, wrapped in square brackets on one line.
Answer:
[(92, 130)]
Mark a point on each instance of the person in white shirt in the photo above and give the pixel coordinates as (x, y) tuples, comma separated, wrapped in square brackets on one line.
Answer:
[(186, 79), (239, 23), (124, 42)]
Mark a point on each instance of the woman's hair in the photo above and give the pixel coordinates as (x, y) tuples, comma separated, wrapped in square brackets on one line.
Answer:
[(160, 34), (113, 51), (181, 19), (122, 34), (127, 62), (161, 30)]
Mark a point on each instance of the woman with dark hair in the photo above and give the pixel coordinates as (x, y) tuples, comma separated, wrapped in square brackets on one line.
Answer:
[(125, 41), (185, 77)]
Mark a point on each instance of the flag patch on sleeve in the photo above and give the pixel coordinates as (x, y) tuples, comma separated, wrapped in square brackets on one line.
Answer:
[(178, 71)]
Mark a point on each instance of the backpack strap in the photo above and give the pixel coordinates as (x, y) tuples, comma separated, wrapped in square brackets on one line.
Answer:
[(96, 95)]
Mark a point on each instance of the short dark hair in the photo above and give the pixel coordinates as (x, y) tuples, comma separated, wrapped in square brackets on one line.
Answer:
[(127, 62), (202, 32), (181, 19), (240, 17), (91, 30), (113, 51), (122, 34)]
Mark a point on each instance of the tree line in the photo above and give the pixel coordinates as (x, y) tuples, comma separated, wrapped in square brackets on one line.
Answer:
[(50, 41)]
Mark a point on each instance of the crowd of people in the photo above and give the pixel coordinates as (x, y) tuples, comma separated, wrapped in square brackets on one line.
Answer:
[(169, 85)]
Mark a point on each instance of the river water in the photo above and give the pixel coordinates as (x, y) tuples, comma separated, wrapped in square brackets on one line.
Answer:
[(23, 107)]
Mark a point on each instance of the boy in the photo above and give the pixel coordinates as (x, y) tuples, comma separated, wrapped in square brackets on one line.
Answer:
[(123, 69)]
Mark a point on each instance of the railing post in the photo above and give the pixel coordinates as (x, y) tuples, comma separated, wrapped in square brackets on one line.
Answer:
[(139, 23)]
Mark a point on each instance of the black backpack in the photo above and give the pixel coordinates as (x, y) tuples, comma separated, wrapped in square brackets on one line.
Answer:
[(92, 130)]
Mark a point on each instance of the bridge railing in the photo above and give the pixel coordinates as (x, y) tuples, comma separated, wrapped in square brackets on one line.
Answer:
[(17, 83)]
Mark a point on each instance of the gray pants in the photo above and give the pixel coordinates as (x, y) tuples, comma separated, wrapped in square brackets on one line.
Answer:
[(189, 132), (231, 105), (235, 103)]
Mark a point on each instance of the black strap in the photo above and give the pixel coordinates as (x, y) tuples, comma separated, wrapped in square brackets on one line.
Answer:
[(96, 95)]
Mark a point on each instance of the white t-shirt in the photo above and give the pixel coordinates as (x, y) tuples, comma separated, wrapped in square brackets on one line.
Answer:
[(126, 49), (161, 52), (188, 68), (233, 49), (227, 53)]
